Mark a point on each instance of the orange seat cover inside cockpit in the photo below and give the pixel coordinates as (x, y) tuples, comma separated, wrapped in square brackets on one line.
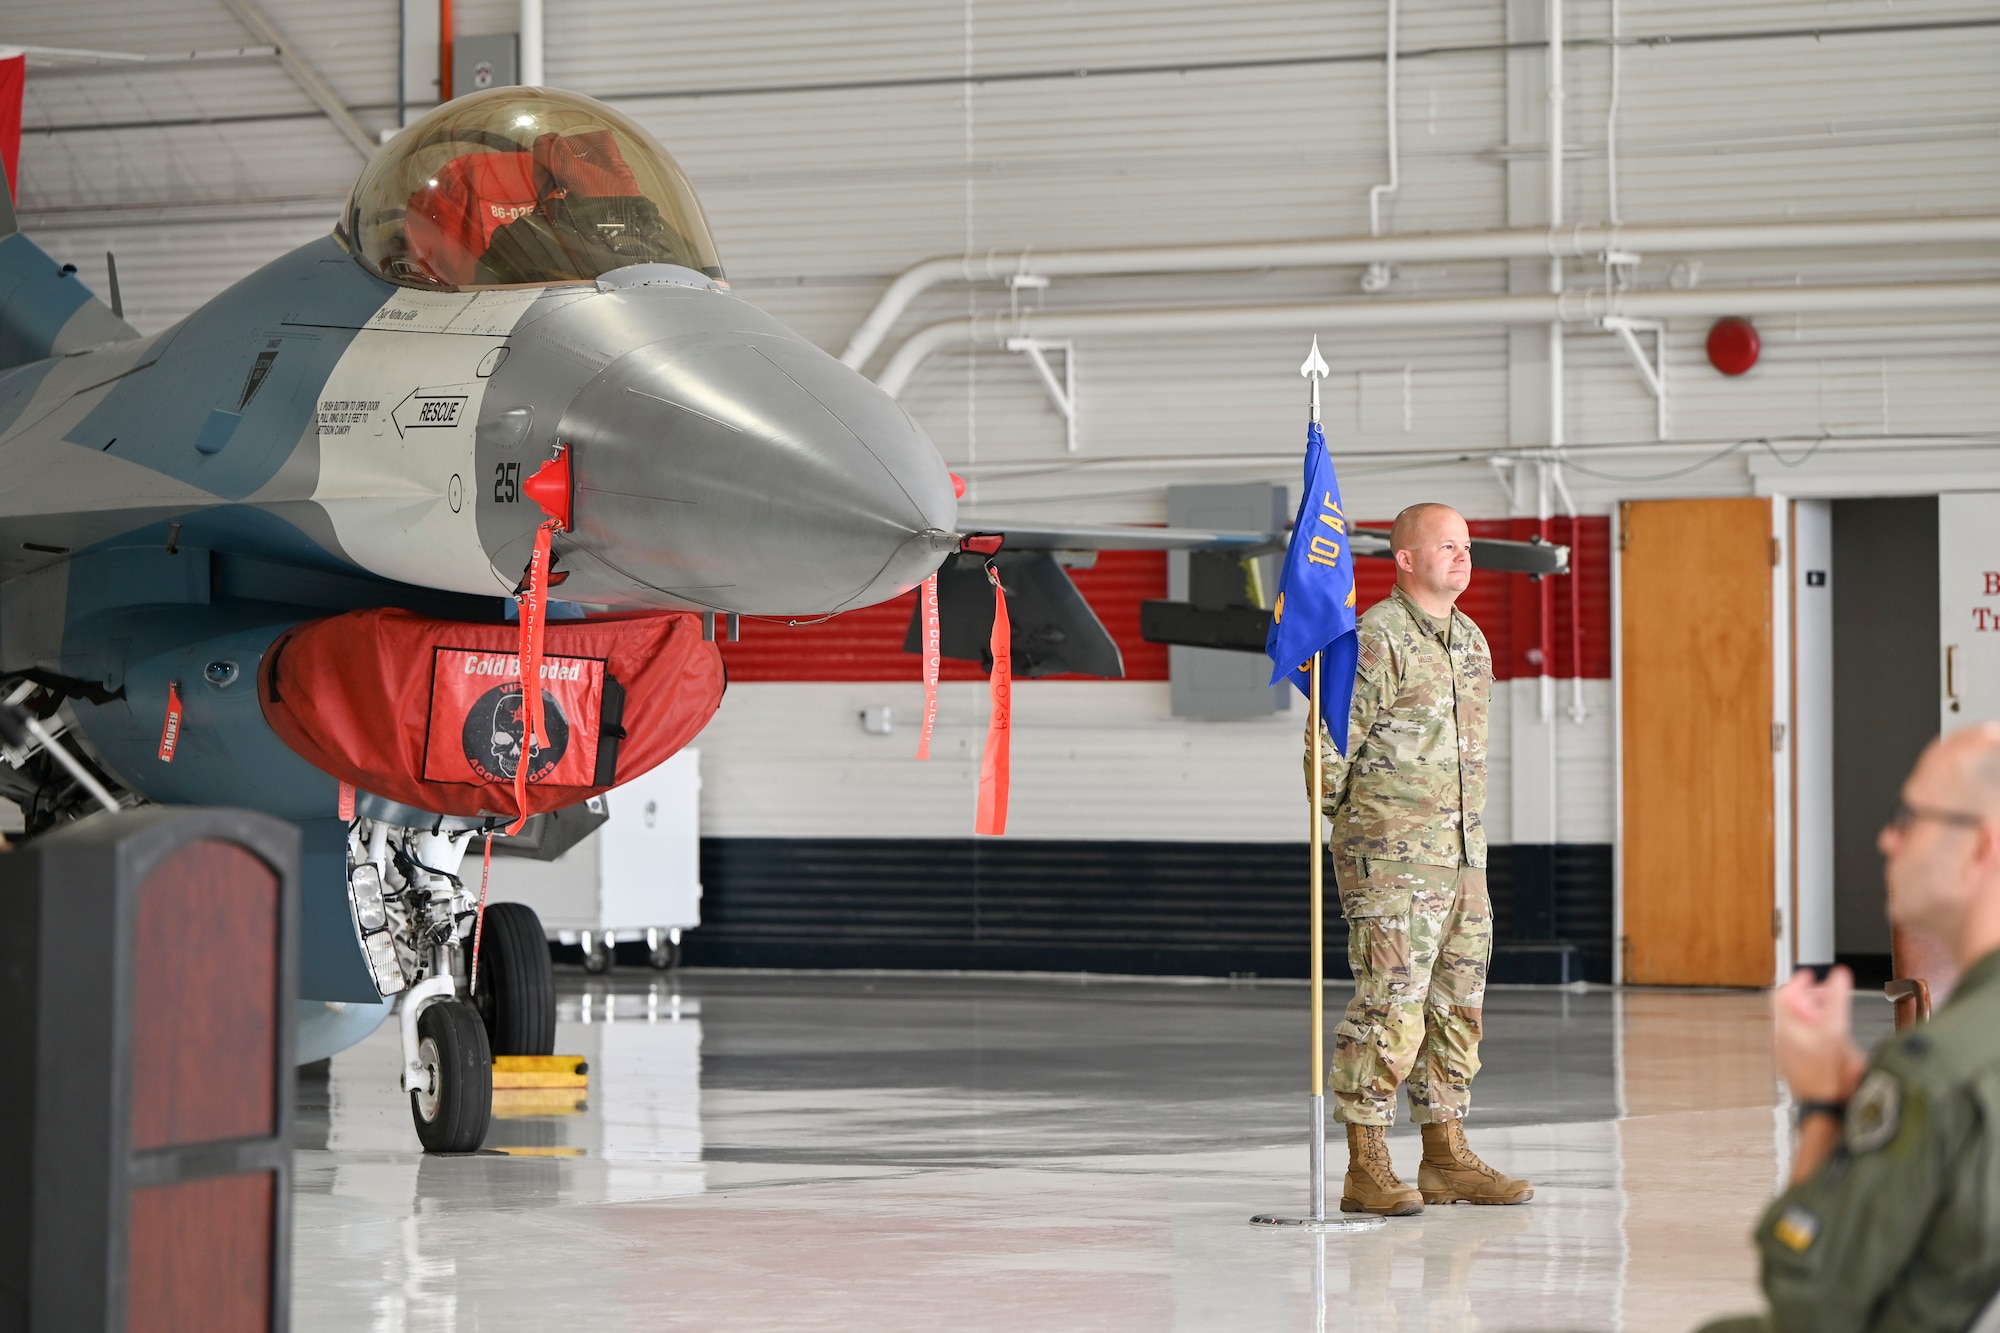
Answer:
[(451, 220)]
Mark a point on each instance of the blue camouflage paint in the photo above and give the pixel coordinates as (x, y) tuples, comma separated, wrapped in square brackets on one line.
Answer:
[(227, 753), (216, 431), (259, 557), (138, 618), (238, 355), (17, 389), (36, 299)]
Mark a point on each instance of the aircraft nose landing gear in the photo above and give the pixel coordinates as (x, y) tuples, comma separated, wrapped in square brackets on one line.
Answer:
[(447, 1067), (452, 1100), (415, 918)]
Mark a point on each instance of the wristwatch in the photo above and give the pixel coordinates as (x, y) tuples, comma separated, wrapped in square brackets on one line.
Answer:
[(1807, 1110)]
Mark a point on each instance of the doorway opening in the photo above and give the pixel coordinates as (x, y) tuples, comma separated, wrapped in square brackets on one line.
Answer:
[(1885, 635)]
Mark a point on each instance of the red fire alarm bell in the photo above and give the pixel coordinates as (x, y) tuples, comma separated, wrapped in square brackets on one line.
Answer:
[(1733, 345)]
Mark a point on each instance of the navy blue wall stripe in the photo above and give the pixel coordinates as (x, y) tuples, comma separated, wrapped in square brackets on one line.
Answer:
[(1150, 908)]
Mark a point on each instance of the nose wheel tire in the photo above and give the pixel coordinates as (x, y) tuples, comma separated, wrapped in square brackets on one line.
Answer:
[(517, 986), (453, 1107)]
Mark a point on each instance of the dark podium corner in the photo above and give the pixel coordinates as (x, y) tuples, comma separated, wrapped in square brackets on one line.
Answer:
[(145, 1142)]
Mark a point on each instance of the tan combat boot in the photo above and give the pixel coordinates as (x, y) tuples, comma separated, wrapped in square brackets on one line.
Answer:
[(1372, 1185), (1452, 1173)]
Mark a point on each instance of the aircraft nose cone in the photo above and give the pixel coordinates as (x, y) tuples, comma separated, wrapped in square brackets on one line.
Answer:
[(755, 474)]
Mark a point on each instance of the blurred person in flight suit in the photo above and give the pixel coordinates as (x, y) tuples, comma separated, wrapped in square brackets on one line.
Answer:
[(1892, 1220), (1410, 858)]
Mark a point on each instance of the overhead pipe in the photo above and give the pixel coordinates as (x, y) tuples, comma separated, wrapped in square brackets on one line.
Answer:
[(1506, 455), (1577, 242), (1571, 307), (1611, 123), (444, 51), (1376, 277), (1550, 472), (531, 43)]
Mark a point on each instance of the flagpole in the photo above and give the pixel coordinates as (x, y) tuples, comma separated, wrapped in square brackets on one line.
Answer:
[(1318, 880), (1315, 370)]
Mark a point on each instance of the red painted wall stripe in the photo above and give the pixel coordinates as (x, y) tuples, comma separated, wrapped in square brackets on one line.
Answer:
[(867, 645)]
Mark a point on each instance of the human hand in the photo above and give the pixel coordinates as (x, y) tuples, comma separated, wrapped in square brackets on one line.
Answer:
[(1817, 1056)]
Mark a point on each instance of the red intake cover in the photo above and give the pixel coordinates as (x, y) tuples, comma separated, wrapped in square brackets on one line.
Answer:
[(428, 712), (549, 487)]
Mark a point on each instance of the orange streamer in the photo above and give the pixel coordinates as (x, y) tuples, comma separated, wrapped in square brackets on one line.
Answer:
[(533, 614), (479, 924), (994, 768), (932, 651)]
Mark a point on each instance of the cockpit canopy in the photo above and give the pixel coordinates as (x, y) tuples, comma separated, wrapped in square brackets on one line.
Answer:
[(518, 186)]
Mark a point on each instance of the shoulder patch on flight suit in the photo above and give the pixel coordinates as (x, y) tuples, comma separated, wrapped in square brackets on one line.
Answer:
[(1797, 1228), (1873, 1112)]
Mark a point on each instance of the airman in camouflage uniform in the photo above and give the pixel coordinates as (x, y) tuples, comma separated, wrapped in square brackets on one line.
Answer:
[(1410, 859)]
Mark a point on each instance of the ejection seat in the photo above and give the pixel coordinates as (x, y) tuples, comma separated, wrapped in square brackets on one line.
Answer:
[(568, 204)]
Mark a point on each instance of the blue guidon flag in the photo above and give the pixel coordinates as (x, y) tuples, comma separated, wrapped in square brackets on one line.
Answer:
[(1315, 608)]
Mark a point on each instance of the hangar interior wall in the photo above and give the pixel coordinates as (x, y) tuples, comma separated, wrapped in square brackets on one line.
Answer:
[(836, 145)]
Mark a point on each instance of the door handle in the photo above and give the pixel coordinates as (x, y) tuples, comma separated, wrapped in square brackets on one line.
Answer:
[(1951, 675)]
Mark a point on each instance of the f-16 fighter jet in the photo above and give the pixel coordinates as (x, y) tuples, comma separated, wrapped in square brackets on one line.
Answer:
[(289, 554)]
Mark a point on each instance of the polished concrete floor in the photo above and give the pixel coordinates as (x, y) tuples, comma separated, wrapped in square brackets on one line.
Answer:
[(886, 1153)]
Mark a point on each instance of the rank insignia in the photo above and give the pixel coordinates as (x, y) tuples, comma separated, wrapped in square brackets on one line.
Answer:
[(1873, 1112), (1796, 1229)]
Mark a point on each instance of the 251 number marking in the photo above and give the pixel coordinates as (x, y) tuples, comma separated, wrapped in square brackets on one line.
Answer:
[(506, 483)]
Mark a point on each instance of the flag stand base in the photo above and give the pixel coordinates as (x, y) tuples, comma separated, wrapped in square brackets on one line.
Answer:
[(1328, 1225), (1316, 1167)]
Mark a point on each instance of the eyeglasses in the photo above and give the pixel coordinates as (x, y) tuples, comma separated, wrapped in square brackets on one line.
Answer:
[(1906, 814)]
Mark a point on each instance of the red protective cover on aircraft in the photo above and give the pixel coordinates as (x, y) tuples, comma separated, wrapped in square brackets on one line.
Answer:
[(428, 712)]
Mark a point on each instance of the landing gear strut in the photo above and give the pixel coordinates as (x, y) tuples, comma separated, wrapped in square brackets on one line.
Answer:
[(415, 918)]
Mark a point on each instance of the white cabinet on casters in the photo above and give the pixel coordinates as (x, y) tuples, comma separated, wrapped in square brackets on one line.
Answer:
[(637, 877)]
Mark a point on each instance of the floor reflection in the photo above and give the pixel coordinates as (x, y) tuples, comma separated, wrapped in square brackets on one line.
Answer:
[(849, 1152)]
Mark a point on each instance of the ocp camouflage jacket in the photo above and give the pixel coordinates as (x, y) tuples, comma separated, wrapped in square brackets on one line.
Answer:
[(1412, 787)]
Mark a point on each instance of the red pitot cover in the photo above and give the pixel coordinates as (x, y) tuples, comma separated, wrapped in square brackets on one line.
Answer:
[(428, 712)]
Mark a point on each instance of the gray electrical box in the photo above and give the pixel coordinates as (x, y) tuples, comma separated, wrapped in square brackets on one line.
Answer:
[(1210, 683), (484, 62)]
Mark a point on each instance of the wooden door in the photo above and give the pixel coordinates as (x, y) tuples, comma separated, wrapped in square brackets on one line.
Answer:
[(1696, 687)]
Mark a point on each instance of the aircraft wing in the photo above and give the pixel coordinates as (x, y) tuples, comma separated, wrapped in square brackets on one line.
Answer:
[(1127, 537), (1510, 557), (1055, 631)]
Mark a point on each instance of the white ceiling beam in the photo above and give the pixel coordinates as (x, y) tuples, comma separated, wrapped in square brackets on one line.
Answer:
[(252, 16)]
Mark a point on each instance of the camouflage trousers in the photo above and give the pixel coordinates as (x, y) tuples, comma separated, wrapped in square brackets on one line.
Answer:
[(1418, 938)]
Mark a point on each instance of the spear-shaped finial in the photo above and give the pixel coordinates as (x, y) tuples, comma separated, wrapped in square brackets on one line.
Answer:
[(1315, 370)]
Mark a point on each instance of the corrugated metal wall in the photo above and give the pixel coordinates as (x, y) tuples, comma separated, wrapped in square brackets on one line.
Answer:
[(835, 145)]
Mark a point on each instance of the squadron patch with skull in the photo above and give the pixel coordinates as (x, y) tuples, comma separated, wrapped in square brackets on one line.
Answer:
[(477, 727), (496, 725)]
